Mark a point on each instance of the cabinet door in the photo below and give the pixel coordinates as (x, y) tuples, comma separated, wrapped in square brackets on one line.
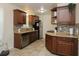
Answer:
[(36, 35), (25, 40), (19, 17), (54, 43), (63, 15), (17, 40), (64, 47), (32, 37), (48, 42), (31, 19), (24, 17)]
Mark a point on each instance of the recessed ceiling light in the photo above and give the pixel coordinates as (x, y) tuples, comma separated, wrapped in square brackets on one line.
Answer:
[(42, 10)]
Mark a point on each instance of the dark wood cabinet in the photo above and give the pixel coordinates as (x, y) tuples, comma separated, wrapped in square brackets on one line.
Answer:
[(32, 18), (17, 40), (21, 40), (19, 17), (33, 36), (65, 16), (62, 45), (24, 39), (54, 44), (66, 46), (48, 42)]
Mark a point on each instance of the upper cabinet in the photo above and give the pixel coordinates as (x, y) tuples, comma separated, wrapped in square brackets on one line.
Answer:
[(19, 17), (65, 15), (32, 18)]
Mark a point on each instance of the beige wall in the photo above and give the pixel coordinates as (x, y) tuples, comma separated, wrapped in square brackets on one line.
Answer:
[(1, 22), (8, 35), (77, 13), (46, 23)]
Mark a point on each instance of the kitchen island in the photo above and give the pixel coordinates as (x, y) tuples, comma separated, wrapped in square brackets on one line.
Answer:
[(62, 43)]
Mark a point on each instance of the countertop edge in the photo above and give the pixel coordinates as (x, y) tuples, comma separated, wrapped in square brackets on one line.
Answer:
[(25, 32), (60, 35)]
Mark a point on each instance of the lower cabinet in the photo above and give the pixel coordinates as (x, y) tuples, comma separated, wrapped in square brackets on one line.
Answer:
[(62, 45), (65, 46), (48, 42), (54, 44), (24, 39), (33, 36)]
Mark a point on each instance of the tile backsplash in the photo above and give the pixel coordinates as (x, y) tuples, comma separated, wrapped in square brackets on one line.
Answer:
[(66, 28), (21, 28)]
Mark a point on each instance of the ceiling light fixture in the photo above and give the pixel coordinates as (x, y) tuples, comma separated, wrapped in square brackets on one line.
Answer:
[(42, 10)]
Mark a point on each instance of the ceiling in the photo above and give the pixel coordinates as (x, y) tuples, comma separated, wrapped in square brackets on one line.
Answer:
[(36, 6)]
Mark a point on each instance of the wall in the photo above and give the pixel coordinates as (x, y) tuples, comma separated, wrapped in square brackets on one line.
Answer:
[(1, 23), (77, 13), (46, 23), (8, 35), (41, 26)]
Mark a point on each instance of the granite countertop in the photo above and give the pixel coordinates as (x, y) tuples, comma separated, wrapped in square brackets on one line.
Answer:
[(62, 34), (22, 32)]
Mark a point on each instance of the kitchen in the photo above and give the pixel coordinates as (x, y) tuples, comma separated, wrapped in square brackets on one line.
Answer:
[(59, 21)]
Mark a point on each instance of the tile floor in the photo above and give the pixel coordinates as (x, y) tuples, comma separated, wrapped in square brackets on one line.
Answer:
[(37, 48)]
